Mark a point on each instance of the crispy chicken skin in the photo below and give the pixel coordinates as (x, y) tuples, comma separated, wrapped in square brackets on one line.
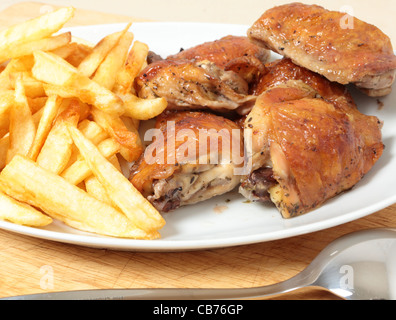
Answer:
[(193, 85), (171, 174), (215, 75), (306, 150), (316, 39), (224, 51), (280, 71)]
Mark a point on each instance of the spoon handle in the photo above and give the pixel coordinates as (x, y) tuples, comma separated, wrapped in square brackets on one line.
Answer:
[(170, 294)]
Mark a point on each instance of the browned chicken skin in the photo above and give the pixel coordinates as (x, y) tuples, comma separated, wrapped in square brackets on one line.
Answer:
[(315, 38), (215, 75), (306, 150), (224, 51), (280, 71), (193, 85), (180, 171)]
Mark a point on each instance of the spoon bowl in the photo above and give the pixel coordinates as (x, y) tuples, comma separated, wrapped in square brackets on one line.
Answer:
[(357, 266)]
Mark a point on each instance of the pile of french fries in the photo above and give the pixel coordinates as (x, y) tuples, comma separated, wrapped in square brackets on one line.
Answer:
[(68, 117)]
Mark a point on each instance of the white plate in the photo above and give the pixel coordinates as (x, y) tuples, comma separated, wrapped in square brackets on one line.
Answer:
[(202, 226)]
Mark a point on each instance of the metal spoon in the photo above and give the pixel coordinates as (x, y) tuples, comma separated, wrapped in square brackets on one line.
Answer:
[(358, 266)]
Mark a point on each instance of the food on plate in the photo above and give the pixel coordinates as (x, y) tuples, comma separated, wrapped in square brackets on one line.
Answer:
[(193, 85), (283, 70), (224, 51), (22, 128), (50, 84), (32, 30), (319, 40), (71, 116), (21, 213), (236, 53), (121, 192), (305, 150), (194, 157), (215, 75), (27, 182)]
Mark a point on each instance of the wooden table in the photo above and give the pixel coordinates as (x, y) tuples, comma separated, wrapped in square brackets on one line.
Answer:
[(30, 265)]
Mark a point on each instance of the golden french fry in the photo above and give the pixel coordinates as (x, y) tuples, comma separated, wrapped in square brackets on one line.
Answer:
[(33, 87), (134, 63), (96, 190), (15, 66), (6, 102), (35, 29), (74, 53), (89, 65), (80, 170), (52, 69), (37, 103), (92, 131), (22, 126), (130, 143), (24, 180), (143, 109), (65, 50), (78, 55), (50, 112), (57, 149), (107, 72), (122, 193), (20, 213), (27, 48), (4, 145)]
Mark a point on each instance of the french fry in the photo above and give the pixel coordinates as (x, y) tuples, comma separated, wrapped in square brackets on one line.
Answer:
[(15, 66), (50, 112), (52, 69), (107, 72), (37, 103), (121, 192), (21, 213), (79, 54), (128, 137), (143, 109), (4, 145), (33, 87), (96, 190), (24, 180), (27, 48), (130, 143), (134, 63), (57, 149), (22, 126), (6, 102), (35, 29), (89, 65), (80, 170), (74, 53), (92, 131)]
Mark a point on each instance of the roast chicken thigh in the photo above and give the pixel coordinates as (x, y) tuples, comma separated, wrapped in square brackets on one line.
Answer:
[(305, 149), (195, 157), (319, 40), (215, 75)]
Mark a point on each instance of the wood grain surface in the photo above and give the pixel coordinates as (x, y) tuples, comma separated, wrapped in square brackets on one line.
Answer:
[(29, 265)]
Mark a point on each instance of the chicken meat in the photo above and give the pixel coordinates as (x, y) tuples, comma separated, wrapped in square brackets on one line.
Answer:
[(305, 149), (235, 53), (214, 75), (195, 156), (319, 40)]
